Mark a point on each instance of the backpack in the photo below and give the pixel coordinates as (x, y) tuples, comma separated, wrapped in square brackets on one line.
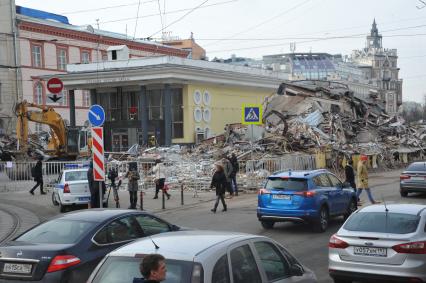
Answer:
[(33, 172)]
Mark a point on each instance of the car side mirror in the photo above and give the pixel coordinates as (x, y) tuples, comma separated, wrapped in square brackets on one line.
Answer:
[(346, 185), (296, 270), (174, 227)]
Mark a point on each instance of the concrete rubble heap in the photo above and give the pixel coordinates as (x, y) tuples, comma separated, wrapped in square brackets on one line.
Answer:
[(307, 115)]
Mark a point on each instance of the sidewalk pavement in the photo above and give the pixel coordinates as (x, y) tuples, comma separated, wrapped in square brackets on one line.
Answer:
[(191, 197)]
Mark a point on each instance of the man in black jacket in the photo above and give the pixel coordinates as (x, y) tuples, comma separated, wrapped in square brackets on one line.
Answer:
[(153, 268), (37, 174), (350, 174), (235, 168), (94, 188)]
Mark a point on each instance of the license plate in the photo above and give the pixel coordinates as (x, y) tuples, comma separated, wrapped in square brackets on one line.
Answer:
[(286, 197), (20, 268), (369, 251), (417, 178), (84, 199)]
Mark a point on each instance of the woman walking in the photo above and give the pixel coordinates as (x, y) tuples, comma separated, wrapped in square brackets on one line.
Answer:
[(220, 183), (160, 177), (362, 174)]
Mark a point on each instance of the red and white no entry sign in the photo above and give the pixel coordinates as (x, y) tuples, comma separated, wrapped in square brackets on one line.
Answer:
[(98, 154), (55, 85)]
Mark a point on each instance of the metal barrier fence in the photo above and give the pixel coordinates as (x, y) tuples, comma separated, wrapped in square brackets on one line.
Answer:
[(194, 176), (257, 170)]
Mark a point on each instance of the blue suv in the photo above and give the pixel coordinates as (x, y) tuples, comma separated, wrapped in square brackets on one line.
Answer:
[(304, 196)]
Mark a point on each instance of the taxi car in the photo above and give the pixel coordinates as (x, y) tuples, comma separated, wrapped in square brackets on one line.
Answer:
[(72, 187)]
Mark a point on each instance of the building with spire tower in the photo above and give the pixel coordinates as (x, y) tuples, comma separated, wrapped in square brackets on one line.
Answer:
[(379, 69)]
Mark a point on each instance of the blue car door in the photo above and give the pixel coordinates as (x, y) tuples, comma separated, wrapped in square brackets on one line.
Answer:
[(330, 193), (341, 198)]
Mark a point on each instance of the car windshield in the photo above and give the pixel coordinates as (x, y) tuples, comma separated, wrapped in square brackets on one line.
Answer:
[(382, 222), (417, 167), (286, 184), (118, 269), (58, 231), (76, 176)]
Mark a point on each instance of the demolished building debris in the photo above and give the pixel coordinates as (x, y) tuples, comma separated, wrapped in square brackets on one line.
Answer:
[(306, 125)]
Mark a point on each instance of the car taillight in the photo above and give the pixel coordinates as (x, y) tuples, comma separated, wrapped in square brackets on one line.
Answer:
[(67, 189), (404, 177), (411, 248), (306, 194), (197, 274), (337, 243), (61, 262), (263, 192)]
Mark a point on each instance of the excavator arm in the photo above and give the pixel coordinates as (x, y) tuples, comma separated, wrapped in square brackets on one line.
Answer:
[(46, 116)]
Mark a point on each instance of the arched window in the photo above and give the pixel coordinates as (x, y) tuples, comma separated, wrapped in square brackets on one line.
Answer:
[(38, 93)]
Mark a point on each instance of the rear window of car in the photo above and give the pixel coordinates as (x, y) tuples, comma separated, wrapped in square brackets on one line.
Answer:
[(58, 231), (76, 176), (126, 269), (287, 184), (382, 222), (417, 167)]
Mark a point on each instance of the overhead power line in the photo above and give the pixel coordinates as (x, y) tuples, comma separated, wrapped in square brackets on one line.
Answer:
[(180, 18), (265, 21), (170, 12)]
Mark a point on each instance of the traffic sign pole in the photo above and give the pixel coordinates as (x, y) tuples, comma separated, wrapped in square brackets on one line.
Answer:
[(98, 159)]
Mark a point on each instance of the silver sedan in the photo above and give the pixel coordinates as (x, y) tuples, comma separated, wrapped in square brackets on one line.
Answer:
[(206, 256), (384, 243), (413, 179)]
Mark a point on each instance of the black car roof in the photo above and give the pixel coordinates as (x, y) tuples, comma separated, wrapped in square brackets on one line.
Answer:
[(97, 214)]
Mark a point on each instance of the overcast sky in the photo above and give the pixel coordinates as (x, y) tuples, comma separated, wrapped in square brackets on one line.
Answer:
[(252, 28)]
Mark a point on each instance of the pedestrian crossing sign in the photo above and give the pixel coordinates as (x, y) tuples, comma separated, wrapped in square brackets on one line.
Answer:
[(251, 114)]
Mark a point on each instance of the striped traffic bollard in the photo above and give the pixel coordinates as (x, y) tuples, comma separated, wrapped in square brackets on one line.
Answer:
[(98, 159)]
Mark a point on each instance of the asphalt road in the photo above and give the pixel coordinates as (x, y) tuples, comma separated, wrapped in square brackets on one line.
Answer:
[(310, 248)]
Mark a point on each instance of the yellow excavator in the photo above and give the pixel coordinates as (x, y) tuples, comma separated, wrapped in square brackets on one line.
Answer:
[(65, 143)]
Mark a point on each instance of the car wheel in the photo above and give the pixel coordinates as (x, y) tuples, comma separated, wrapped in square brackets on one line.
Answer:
[(63, 208), (267, 224), (321, 224), (352, 207), (337, 280), (54, 201), (403, 193)]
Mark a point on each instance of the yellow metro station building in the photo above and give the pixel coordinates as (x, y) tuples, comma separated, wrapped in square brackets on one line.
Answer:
[(174, 100)]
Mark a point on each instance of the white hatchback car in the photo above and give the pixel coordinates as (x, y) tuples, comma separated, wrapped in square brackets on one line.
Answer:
[(72, 188), (384, 243), (203, 257)]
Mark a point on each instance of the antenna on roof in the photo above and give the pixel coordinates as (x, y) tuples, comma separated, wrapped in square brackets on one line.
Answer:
[(155, 245), (384, 203)]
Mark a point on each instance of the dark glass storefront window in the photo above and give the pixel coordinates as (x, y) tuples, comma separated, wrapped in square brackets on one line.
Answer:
[(177, 114), (155, 104)]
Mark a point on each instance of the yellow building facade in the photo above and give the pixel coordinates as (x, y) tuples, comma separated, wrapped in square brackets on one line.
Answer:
[(164, 93)]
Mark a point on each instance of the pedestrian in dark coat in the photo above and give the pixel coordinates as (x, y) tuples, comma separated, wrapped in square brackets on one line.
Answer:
[(219, 182), (94, 188), (235, 168), (350, 174), (227, 170), (37, 173), (132, 186)]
